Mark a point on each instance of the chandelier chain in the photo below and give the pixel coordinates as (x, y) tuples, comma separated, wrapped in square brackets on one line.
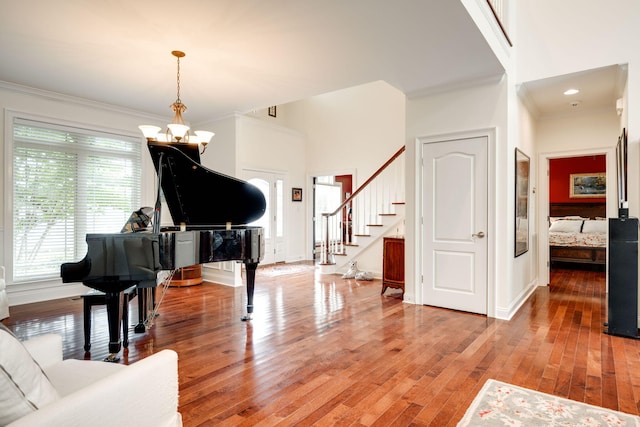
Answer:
[(178, 80)]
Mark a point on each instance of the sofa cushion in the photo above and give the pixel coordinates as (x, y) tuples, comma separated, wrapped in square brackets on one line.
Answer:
[(24, 387)]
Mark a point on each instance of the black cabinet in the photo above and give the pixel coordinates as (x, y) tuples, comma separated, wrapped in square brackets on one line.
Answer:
[(623, 277)]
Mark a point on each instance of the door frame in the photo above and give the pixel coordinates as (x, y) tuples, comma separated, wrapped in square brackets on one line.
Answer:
[(310, 205), (490, 134), (544, 265), (249, 173)]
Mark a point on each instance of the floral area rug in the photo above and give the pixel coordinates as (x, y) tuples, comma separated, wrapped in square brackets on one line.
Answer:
[(502, 404)]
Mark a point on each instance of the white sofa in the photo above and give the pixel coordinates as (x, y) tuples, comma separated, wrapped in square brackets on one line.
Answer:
[(95, 393)]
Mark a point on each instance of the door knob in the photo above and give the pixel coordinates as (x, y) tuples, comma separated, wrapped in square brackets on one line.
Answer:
[(479, 235)]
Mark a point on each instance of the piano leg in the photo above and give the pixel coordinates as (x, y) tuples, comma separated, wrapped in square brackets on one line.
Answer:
[(142, 311), (251, 281), (114, 301)]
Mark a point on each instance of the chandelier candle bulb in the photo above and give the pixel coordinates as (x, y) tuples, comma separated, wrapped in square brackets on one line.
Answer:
[(150, 132)]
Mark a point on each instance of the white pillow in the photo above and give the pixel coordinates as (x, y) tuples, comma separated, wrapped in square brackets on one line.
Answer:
[(595, 226), (568, 217), (566, 226), (24, 388)]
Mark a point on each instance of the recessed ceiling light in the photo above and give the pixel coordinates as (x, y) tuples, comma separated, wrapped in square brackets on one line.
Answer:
[(571, 91)]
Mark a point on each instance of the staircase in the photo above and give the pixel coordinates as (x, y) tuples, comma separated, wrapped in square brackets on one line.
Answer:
[(374, 210)]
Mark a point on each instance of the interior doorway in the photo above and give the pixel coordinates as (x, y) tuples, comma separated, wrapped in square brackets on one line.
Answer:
[(271, 185), (545, 198), (329, 192), (577, 212)]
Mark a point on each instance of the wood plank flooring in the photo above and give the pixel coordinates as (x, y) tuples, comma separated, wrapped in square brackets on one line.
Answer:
[(322, 350)]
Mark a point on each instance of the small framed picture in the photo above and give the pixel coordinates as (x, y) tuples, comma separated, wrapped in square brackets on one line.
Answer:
[(272, 111), (296, 194)]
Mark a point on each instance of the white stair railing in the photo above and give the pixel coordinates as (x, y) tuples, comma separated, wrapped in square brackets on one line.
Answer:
[(363, 209)]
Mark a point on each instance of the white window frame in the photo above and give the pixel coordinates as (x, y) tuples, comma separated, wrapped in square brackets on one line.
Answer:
[(8, 237)]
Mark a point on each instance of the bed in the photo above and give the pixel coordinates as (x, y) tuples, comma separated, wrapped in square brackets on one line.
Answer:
[(578, 233)]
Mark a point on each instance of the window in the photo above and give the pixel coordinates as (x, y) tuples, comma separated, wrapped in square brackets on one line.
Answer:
[(67, 182)]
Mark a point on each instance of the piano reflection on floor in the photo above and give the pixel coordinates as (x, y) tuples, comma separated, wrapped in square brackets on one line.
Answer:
[(209, 210)]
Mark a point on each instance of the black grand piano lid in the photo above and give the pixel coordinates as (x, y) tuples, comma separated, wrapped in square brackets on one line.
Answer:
[(196, 195)]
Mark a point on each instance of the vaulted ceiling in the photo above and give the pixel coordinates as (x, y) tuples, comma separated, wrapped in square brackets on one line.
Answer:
[(241, 55)]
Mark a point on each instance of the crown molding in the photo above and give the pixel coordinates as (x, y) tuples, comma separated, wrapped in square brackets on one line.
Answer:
[(525, 97), (55, 96), (452, 87)]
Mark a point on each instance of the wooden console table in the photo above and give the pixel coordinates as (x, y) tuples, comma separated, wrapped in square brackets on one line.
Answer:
[(393, 263)]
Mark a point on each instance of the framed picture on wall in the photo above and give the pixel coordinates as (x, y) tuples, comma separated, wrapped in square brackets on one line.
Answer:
[(296, 194), (621, 167), (522, 203), (587, 185)]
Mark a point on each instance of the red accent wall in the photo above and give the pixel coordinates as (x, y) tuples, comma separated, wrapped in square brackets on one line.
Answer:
[(559, 171), (346, 181)]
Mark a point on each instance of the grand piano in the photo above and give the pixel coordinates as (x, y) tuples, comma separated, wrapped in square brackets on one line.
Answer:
[(209, 210)]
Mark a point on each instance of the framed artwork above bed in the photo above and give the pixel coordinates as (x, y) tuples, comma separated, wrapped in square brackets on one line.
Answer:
[(587, 185)]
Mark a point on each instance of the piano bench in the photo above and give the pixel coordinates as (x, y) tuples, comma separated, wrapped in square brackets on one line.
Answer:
[(96, 297)]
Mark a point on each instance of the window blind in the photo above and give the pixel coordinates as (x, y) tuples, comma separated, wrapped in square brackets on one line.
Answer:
[(67, 182)]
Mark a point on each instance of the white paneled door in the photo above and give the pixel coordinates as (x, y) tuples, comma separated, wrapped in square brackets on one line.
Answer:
[(455, 186), (272, 186)]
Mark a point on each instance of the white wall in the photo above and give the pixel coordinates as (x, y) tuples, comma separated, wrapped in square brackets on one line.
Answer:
[(352, 130), (558, 38), (527, 143), (270, 147), (359, 127), (221, 153), (593, 129)]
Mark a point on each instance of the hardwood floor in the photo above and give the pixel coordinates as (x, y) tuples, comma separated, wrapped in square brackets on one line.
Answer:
[(327, 351)]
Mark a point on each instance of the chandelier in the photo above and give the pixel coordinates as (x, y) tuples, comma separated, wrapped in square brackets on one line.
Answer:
[(177, 131)]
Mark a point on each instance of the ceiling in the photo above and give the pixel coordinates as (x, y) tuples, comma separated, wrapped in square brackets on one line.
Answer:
[(244, 55), (241, 55), (599, 89)]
